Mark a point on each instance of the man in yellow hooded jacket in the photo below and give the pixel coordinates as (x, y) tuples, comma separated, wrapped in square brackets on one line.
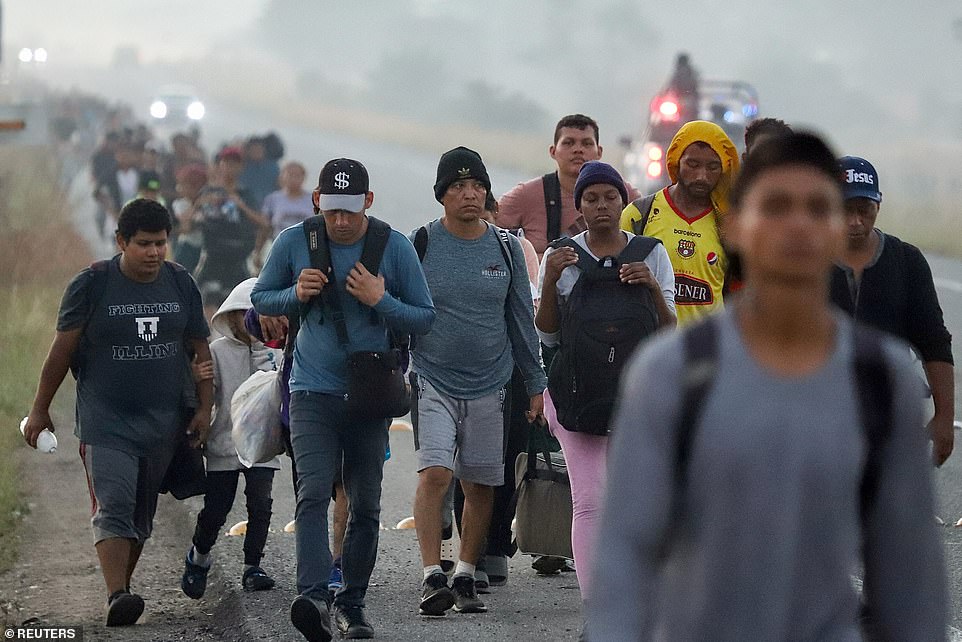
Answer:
[(686, 216)]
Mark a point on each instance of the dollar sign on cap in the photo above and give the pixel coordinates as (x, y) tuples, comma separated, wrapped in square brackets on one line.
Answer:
[(342, 180)]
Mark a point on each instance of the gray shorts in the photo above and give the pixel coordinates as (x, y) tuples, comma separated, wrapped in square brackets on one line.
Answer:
[(462, 435), (123, 490)]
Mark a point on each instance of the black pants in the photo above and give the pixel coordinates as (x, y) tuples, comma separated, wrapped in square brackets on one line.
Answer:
[(517, 430), (221, 489)]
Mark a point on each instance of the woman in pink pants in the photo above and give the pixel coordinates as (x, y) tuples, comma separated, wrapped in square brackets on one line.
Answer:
[(600, 195)]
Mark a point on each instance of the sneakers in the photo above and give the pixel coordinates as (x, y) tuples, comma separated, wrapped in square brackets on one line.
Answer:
[(336, 579), (124, 608), (351, 623), (312, 618), (465, 596), (255, 579), (194, 580), (436, 597)]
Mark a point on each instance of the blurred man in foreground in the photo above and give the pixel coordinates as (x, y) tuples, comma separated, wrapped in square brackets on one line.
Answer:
[(788, 455)]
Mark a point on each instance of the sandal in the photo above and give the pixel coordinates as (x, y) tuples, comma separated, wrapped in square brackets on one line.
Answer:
[(255, 579)]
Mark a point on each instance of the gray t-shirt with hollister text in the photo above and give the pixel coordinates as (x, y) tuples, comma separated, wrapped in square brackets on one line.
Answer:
[(485, 321), (131, 385)]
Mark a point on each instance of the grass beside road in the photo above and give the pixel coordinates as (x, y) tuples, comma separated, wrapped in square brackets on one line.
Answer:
[(39, 253)]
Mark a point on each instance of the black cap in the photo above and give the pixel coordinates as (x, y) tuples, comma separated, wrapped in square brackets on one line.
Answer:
[(458, 164), (343, 185)]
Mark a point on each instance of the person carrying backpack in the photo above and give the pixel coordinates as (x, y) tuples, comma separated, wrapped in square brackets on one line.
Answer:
[(688, 216), (461, 370), (125, 328), (762, 456), (543, 208), (602, 283), (356, 285)]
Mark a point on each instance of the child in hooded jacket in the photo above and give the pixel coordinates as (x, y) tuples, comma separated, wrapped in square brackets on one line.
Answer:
[(236, 355)]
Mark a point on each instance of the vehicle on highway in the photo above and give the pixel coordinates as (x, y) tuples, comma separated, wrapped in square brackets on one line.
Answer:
[(731, 105), (177, 105)]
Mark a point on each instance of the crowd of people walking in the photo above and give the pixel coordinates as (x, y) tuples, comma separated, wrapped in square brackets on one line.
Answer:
[(724, 364)]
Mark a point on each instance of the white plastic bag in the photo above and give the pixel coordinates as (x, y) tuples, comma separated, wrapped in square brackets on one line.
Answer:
[(255, 413)]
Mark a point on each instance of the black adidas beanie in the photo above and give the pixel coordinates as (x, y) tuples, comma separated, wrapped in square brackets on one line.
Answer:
[(458, 164)]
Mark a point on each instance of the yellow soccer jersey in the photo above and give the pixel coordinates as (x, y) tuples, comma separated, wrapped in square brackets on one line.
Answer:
[(696, 253)]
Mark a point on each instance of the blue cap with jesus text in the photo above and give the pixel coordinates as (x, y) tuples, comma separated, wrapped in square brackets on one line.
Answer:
[(860, 179)]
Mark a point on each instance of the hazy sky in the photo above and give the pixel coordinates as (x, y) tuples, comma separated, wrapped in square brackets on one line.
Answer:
[(840, 65), (90, 31)]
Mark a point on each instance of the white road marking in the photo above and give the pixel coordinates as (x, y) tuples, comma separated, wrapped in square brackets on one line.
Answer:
[(955, 635), (947, 284)]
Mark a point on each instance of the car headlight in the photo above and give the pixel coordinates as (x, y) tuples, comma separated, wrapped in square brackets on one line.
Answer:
[(195, 110), (158, 109)]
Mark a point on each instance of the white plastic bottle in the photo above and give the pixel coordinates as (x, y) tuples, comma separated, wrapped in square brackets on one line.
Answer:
[(46, 440)]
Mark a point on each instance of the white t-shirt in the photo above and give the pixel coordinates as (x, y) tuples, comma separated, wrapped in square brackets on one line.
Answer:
[(657, 261)]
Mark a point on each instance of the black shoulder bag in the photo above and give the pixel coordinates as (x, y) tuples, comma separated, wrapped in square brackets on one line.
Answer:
[(376, 388)]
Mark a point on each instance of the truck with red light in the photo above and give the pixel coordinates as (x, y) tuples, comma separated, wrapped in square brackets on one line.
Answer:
[(732, 105)]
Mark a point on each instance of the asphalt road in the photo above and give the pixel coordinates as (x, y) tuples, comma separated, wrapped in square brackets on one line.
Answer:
[(529, 607)]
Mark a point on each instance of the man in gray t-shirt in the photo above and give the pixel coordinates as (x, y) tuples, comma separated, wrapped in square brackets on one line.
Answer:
[(484, 326), (788, 481), (126, 326)]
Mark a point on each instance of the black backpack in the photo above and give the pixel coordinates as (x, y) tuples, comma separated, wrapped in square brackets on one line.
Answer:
[(602, 322), (375, 242)]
